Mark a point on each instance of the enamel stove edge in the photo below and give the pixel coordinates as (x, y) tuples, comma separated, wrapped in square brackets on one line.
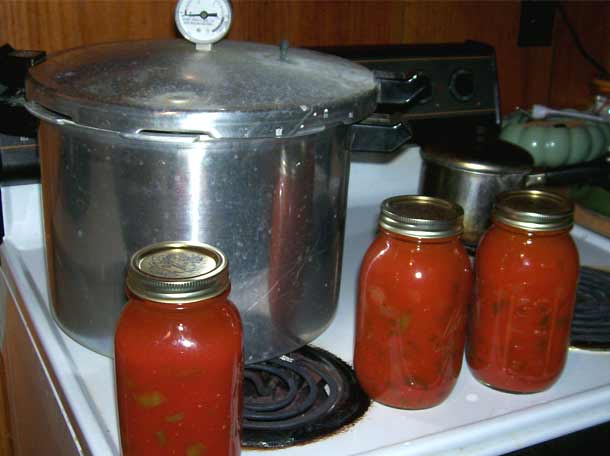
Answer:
[(79, 396)]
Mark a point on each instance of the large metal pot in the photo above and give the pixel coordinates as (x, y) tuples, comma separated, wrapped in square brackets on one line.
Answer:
[(243, 147), (472, 173)]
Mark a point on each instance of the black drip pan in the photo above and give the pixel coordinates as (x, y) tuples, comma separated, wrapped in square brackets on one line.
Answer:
[(591, 323), (299, 397)]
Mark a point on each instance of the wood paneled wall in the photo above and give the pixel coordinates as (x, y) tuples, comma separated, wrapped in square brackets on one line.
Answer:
[(556, 74), (572, 74)]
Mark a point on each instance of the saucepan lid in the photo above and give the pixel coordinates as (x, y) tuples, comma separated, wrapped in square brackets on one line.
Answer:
[(236, 90), (491, 156)]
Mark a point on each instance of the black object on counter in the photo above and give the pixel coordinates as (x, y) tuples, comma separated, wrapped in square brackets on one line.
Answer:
[(18, 128), (18, 162), (18, 165), (16, 121)]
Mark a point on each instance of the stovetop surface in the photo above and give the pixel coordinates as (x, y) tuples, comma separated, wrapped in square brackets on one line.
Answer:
[(474, 418)]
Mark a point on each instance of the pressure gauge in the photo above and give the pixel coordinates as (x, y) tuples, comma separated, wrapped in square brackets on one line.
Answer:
[(203, 21)]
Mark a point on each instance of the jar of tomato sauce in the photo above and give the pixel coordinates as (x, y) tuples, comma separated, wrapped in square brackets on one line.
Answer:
[(414, 290), (527, 272), (178, 354)]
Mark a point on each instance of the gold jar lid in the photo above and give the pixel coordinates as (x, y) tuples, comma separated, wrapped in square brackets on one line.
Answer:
[(421, 216), (178, 272), (534, 210)]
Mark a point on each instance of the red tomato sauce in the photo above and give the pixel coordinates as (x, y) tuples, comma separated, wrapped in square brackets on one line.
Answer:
[(179, 377), (525, 292), (411, 319)]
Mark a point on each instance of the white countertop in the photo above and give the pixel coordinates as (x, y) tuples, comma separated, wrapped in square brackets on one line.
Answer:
[(474, 419)]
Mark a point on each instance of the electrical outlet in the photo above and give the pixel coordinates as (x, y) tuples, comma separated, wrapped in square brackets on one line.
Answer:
[(536, 23)]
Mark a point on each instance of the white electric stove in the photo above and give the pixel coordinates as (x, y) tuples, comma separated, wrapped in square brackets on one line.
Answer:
[(62, 394)]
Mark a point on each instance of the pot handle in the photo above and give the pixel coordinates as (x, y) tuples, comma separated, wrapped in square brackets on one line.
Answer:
[(171, 137), (596, 172), (48, 116), (159, 136), (401, 92), (376, 134)]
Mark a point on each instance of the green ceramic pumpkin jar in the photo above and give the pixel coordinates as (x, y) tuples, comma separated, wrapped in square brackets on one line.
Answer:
[(557, 142)]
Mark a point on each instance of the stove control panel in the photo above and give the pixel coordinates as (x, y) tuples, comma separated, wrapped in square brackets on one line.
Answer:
[(453, 79)]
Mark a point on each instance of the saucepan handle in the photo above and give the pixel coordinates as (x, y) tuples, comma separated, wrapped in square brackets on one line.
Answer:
[(379, 135), (596, 172)]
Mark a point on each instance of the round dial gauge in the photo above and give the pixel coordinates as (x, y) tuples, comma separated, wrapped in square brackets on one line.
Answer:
[(203, 21)]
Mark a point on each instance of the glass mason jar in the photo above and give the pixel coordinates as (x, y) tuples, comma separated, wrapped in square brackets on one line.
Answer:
[(414, 290), (527, 272), (178, 354)]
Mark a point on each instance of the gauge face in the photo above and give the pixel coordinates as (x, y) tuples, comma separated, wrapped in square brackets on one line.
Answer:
[(203, 21)]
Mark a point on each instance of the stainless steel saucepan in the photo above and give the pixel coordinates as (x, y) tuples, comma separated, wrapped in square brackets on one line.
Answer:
[(472, 173)]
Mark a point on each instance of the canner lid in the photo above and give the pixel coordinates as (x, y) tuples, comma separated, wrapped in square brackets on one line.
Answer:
[(236, 90)]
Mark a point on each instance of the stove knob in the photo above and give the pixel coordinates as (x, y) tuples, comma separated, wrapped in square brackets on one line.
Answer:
[(461, 85)]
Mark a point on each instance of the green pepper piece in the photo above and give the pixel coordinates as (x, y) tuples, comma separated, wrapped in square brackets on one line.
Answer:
[(161, 438), (175, 418), (196, 449), (404, 321), (149, 399)]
